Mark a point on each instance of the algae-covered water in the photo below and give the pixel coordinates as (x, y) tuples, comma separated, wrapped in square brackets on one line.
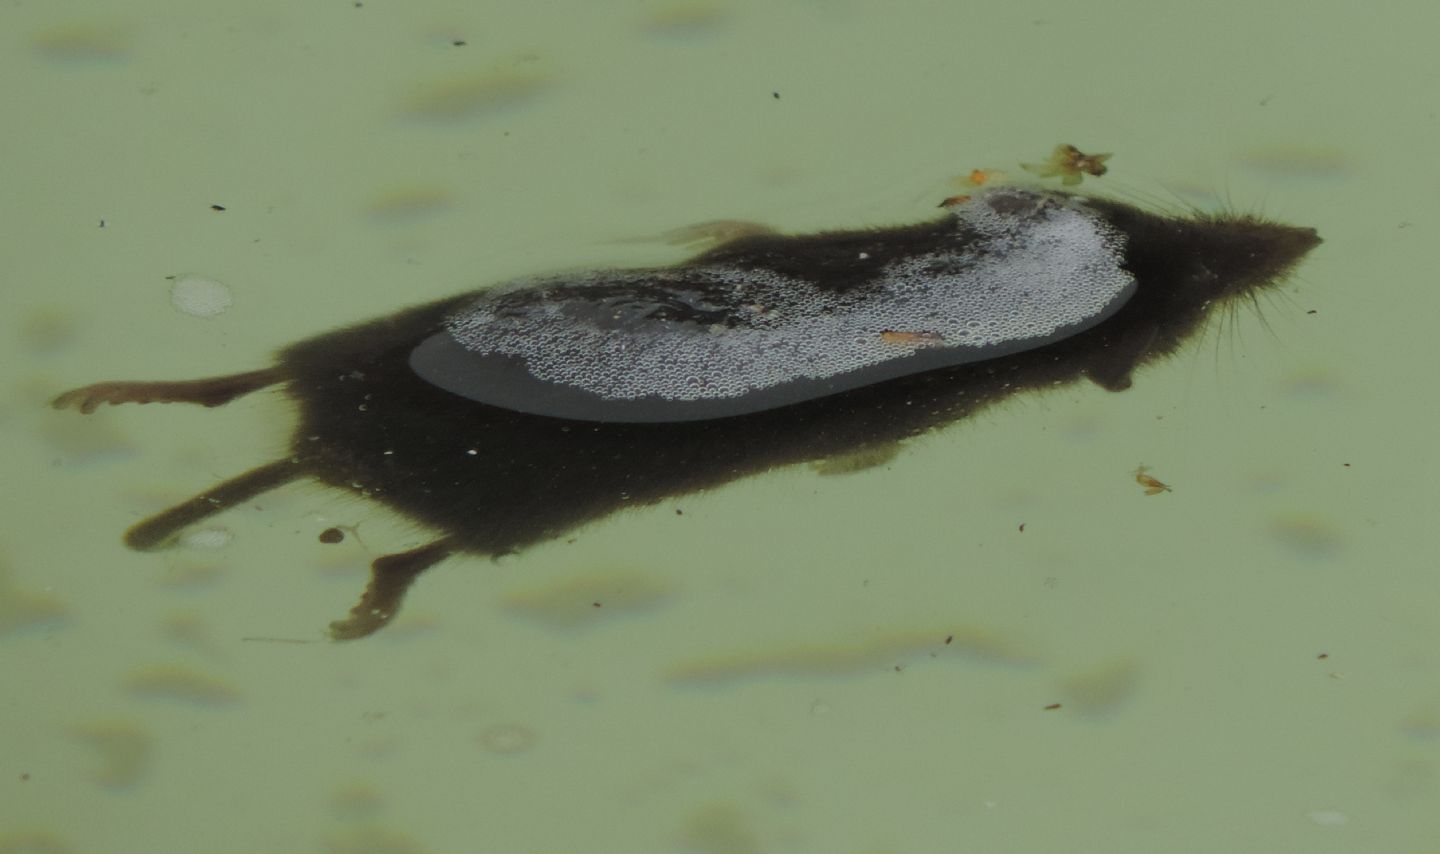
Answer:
[(996, 641)]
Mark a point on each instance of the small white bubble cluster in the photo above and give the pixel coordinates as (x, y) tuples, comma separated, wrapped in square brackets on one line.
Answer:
[(1024, 266), (198, 296), (207, 538)]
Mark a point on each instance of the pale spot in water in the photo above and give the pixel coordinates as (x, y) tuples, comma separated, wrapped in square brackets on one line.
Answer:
[(82, 441), (585, 599), (187, 630), (371, 839), (408, 204), (22, 609), (1327, 818), (47, 330), (1296, 162), (33, 841), (1103, 689), (355, 801), (83, 43), (1314, 384), (124, 749), (889, 652), (720, 828), (685, 19), (508, 738), (207, 538), (1307, 536), (1423, 724), (178, 682), (198, 296), (474, 96), (191, 575)]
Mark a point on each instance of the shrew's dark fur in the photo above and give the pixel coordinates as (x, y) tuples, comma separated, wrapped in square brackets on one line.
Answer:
[(492, 481)]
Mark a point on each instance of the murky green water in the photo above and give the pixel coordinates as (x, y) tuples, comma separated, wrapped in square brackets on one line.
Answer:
[(1248, 663)]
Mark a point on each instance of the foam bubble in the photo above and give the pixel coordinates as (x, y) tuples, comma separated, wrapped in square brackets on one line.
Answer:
[(198, 296), (1024, 267)]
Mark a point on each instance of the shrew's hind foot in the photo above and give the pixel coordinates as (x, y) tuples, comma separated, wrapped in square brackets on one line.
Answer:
[(390, 577), (161, 529), (212, 391)]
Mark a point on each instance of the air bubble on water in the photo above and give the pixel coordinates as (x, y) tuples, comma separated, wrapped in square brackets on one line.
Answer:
[(198, 296)]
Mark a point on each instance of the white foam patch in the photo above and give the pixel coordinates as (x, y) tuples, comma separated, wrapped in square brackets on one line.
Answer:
[(1024, 265), (198, 296)]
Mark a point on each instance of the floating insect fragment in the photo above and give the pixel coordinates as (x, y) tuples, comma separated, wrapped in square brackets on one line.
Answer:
[(1152, 485), (972, 180), (980, 178), (1069, 164), (912, 339)]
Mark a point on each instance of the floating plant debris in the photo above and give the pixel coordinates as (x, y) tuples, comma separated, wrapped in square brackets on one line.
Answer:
[(1069, 164)]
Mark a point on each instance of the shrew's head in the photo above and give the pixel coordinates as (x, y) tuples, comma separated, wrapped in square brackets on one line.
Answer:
[(1188, 267)]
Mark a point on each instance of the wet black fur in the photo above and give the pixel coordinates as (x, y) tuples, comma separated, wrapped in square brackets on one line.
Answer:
[(535, 477)]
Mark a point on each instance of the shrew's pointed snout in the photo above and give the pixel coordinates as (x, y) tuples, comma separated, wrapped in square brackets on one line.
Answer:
[(1245, 253)]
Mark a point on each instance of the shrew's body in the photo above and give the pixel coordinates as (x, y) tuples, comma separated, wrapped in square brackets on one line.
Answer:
[(492, 479)]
